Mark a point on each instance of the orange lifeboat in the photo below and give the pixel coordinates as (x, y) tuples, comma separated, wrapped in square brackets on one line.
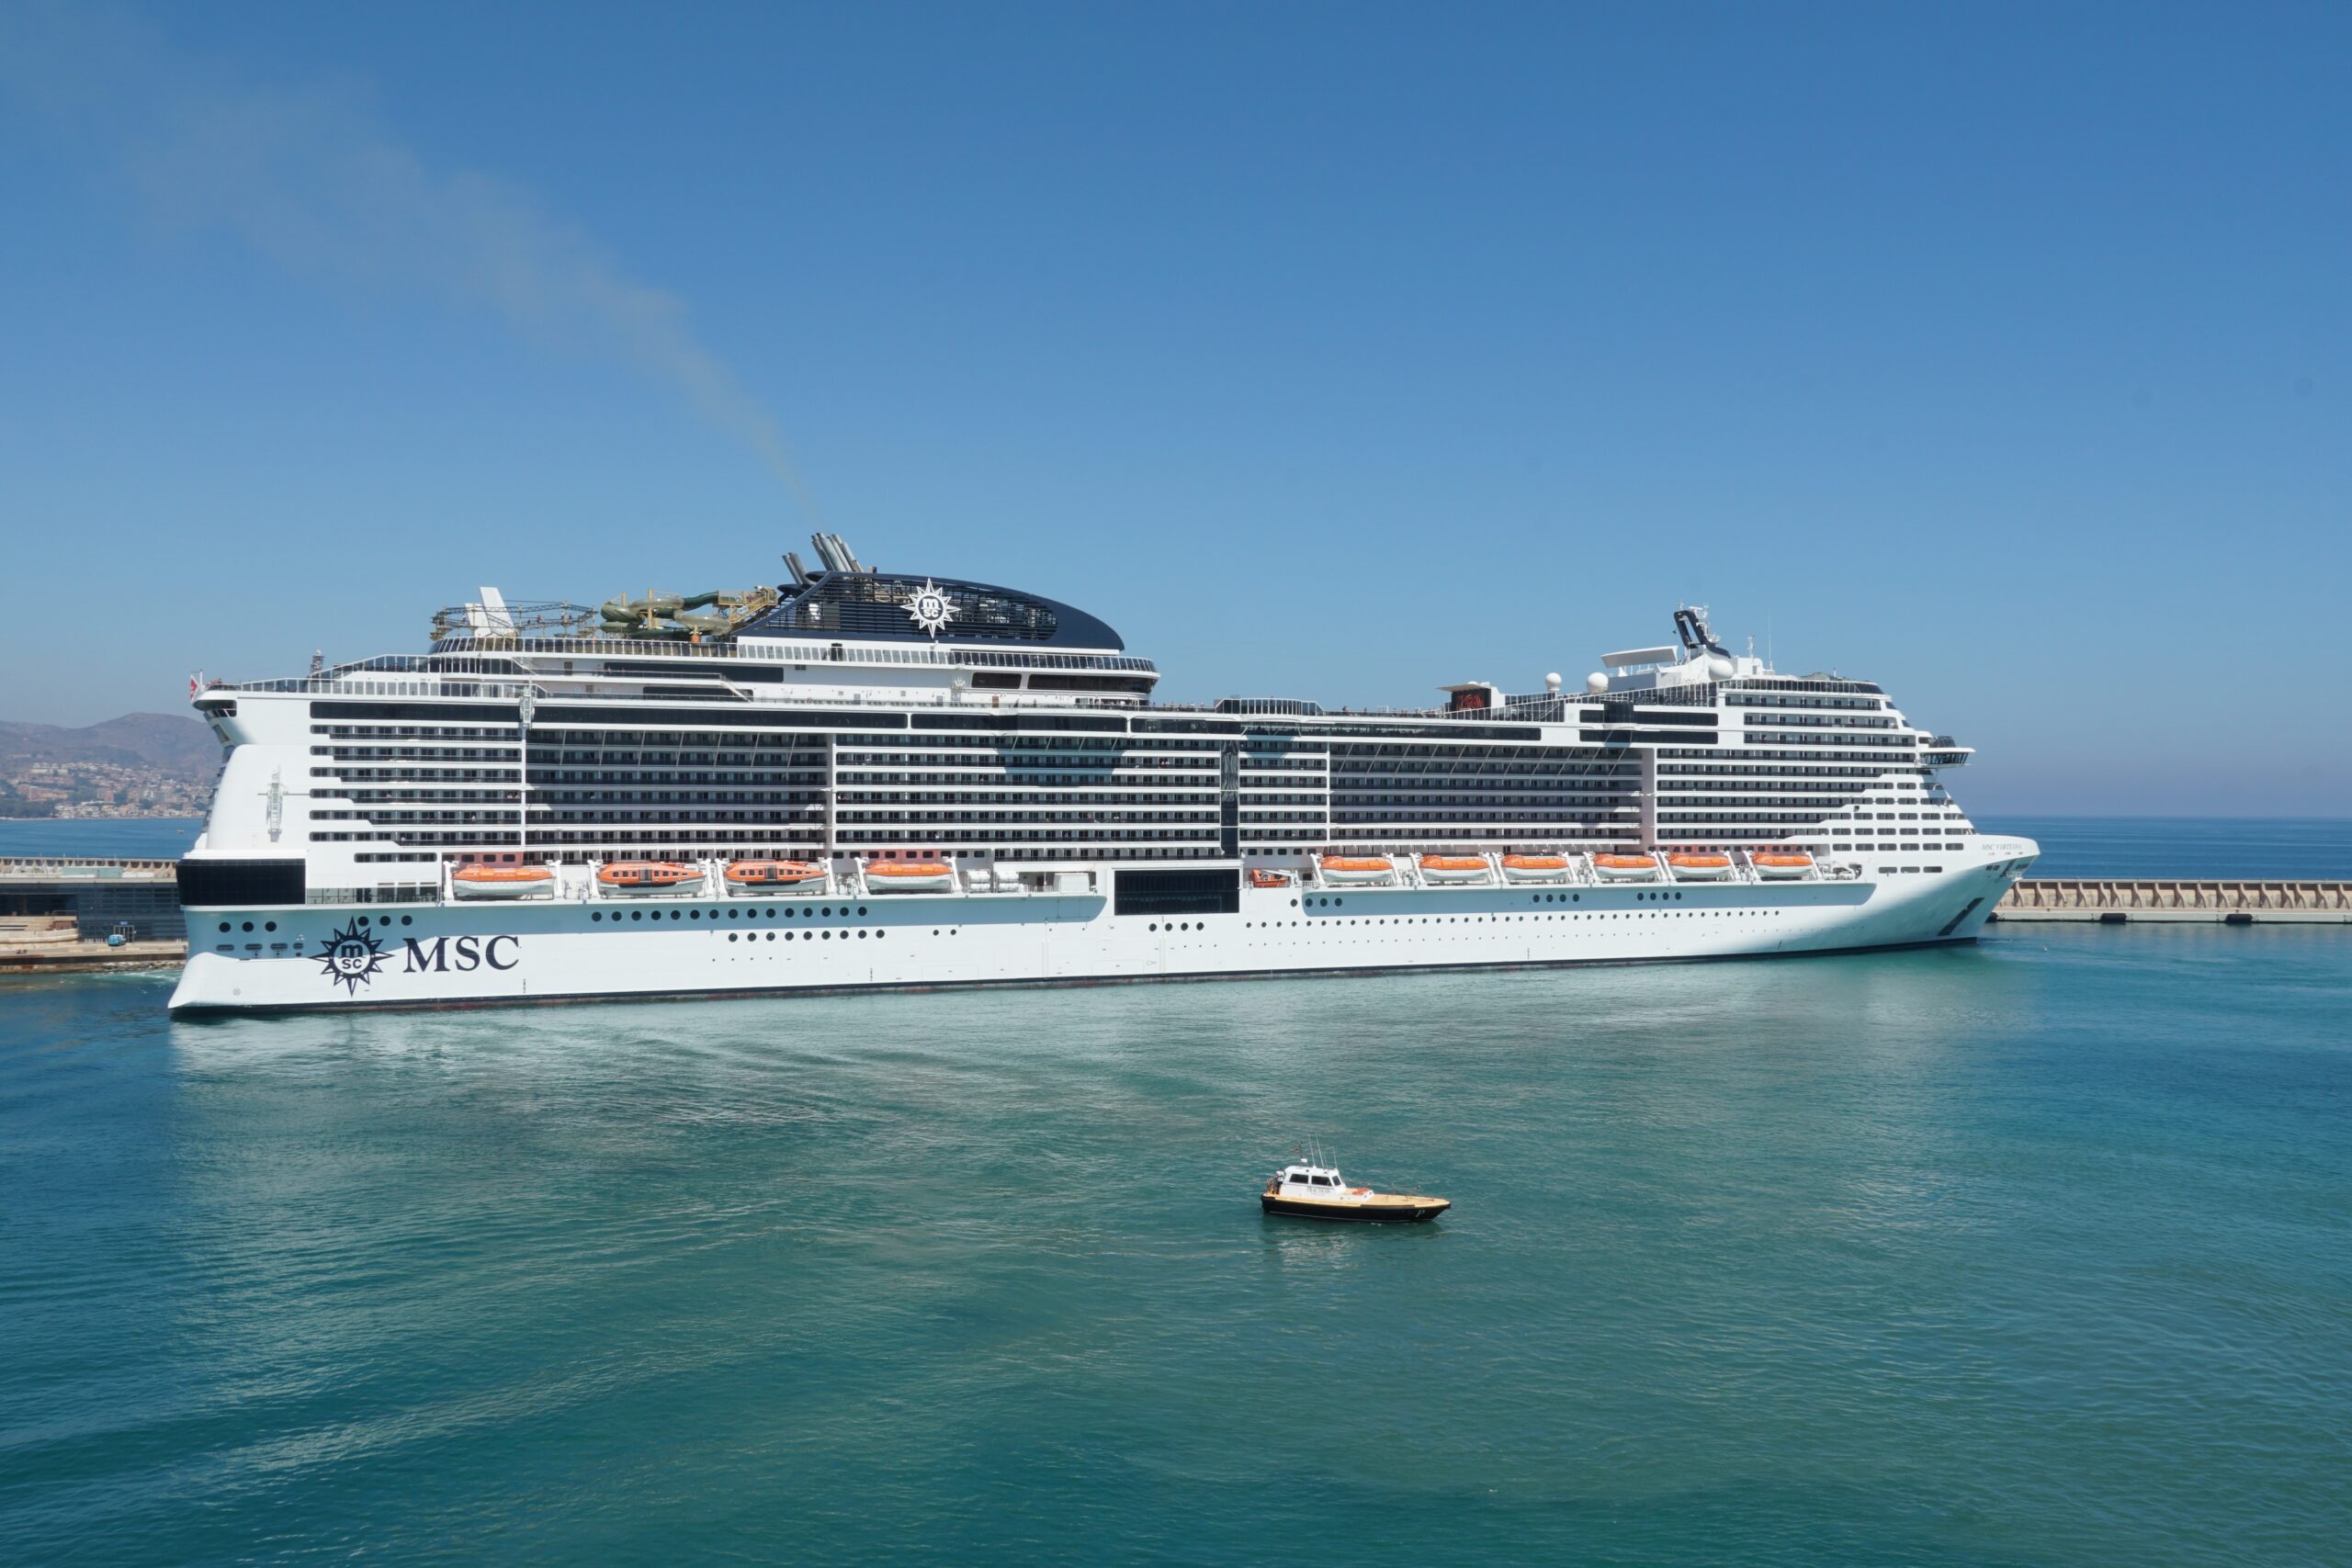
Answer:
[(648, 876), (909, 877), (751, 876), (1263, 878), (1700, 867), (502, 881), (1536, 868), (1358, 870), (1782, 866), (1454, 868), (1625, 868)]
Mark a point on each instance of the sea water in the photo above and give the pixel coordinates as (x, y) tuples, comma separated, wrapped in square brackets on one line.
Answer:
[(2037, 1251)]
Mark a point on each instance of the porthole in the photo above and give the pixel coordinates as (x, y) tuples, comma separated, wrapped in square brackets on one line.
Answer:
[(861, 909), (674, 915), (694, 914), (637, 914), (880, 934), (225, 925), (363, 921), (405, 920), (269, 925), (861, 931), (733, 914), (827, 909), (829, 936), (731, 936), (595, 914)]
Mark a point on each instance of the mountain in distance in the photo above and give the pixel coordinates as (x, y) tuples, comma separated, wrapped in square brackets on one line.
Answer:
[(142, 765), (172, 744)]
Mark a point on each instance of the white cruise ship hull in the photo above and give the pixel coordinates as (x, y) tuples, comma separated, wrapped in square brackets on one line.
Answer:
[(449, 954)]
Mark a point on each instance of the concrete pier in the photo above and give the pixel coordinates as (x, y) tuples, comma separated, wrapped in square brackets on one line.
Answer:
[(56, 914), (2123, 902)]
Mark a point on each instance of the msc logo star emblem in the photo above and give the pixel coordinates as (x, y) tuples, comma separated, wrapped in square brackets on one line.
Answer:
[(353, 956), (928, 609)]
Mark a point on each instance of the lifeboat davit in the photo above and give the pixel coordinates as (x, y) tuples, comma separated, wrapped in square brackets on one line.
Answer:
[(1625, 868), (1358, 871), (909, 877), (1700, 867), (764, 875), (502, 881), (1536, 868), (1782, 866), (1454, 868), (648, 876)]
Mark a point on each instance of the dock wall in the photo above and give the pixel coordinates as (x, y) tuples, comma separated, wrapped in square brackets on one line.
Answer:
[(97, 895), (2123, 902)]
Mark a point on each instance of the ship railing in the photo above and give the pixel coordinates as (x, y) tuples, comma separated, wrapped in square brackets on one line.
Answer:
[(847, 652), (378, 686)]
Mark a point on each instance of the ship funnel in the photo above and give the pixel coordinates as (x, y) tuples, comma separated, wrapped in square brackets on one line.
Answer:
[(834, 551)]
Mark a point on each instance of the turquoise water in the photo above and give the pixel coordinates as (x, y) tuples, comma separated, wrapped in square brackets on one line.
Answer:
[(2032, 1252), (118, 838)]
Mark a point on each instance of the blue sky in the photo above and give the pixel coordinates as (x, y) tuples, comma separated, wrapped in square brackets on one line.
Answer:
[(1998, 354)]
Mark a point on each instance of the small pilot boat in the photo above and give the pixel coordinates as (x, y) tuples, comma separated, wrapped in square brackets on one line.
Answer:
[(909, 877), (648, 876), (1362, 871), (1781, 865), (1625, 868), (1457, 869), (1700, 867), (1310, 1191), (502, 881), (759, 876), (1536, 868)]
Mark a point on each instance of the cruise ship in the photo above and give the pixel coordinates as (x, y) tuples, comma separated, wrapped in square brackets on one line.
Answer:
[(862, 779)]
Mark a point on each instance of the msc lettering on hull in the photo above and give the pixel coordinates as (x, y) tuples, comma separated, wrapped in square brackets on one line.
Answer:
[(465, 953)]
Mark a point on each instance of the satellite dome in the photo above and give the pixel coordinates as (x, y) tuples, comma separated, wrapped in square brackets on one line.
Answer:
[(1596, 682), (1720, 667), (1552, 682)]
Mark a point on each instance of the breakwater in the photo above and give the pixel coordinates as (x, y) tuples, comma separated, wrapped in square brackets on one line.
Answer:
[(2123, 901)]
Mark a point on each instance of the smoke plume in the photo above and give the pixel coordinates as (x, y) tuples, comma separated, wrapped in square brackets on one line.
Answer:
[(310, 177)]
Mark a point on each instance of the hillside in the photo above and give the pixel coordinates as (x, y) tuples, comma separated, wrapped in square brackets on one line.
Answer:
[(142, 765)]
